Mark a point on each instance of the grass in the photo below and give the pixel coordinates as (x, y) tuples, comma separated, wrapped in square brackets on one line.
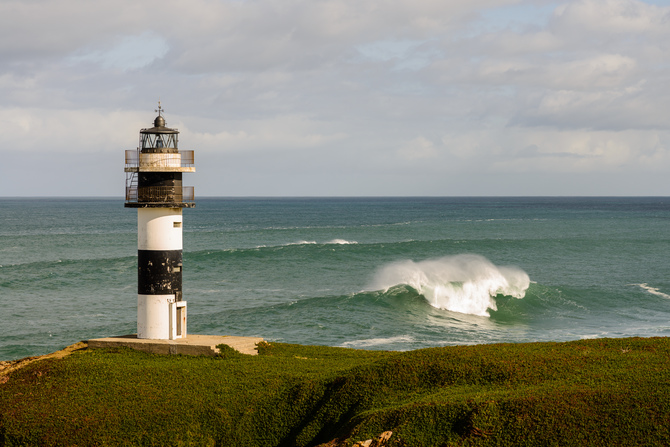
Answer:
[(593, 392)]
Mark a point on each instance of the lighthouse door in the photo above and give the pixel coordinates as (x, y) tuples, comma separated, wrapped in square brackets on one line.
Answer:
[(178, 320)]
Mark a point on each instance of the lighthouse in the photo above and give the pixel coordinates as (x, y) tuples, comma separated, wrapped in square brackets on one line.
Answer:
[(154, 186)]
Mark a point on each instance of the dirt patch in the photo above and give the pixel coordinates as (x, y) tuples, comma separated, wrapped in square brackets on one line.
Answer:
[(7, 367)]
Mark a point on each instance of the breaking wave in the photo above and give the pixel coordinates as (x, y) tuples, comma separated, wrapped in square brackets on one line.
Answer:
[(341, 242), (463, 283), (652, 290), (372, 342), (305, 242)]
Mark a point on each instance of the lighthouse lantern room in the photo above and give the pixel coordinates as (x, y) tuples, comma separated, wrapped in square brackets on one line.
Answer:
[(154, 186)]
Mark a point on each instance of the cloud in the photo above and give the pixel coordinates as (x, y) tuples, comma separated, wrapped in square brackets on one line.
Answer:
[(517, 150), (44, 30), (284, 134), (356, 96), (419, 148), (35, 131), (611, 18), (128, 53)]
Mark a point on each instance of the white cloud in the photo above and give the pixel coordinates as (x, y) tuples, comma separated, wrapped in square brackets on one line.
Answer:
[(609, 18), (521, 150), (130, 52), (419, 148), (35, 131), (282, 134)]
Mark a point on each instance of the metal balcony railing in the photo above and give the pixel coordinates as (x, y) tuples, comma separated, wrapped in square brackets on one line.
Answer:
[(187, 159), (160, 194)]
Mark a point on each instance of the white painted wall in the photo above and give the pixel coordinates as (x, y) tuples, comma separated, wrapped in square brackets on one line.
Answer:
[(153, 316), (156, 229), (160, 160)]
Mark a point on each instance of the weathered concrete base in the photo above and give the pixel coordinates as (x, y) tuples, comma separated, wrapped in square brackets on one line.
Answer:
[(191, 345)]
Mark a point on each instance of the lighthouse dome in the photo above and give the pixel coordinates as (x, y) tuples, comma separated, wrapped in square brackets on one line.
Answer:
[(159, 121)]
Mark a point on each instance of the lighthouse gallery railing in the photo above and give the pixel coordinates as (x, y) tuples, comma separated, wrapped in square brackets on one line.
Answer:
[(158, 194)]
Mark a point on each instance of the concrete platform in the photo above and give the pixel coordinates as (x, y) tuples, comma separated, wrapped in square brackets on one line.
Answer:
[(191, 345)]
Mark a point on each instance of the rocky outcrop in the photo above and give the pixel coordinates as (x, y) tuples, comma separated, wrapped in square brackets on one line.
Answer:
[(381, 441)]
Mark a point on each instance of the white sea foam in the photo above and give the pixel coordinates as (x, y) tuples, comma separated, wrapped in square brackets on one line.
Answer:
[(304, 242), (462, 283), (652, 290), (341, 242), (301, 243), (366, 343)]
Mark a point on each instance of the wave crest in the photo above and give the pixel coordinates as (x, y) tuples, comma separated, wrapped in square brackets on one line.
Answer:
[(463, 283), (341, 242), (648, 288)]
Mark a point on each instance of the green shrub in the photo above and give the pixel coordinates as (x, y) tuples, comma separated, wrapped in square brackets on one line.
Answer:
[(594, 392)]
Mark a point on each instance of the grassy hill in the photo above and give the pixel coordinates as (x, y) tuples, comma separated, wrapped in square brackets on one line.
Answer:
[(592, 392)]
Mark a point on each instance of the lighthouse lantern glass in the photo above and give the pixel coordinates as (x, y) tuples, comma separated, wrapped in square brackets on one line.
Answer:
[(150, 141)]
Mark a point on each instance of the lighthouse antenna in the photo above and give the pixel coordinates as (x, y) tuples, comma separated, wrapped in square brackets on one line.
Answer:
[(159, 109)]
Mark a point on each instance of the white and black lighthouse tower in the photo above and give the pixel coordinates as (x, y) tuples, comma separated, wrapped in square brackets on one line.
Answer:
[(154, 186)]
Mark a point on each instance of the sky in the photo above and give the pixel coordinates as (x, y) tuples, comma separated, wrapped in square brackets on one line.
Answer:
[(340, 97)]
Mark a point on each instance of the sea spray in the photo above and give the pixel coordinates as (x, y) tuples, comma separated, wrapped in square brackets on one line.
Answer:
[(464, 283)]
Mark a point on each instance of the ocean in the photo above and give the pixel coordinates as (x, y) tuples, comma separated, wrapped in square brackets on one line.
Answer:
[(367, 273)]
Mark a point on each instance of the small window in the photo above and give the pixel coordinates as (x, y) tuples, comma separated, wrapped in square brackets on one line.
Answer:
[(177, 224)]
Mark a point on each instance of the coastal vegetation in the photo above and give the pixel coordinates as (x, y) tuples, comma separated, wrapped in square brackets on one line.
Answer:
[(588, 392)]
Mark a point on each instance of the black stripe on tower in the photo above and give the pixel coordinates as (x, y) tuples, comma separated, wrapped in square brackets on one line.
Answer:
[(160, 187), (160, 179), (159, 272)]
